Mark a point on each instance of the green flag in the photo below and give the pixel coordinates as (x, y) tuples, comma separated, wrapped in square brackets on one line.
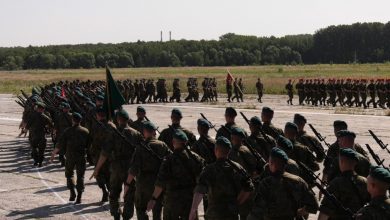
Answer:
[(113, 98)]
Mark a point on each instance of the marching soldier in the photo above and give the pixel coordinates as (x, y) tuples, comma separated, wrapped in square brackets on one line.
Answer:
[(262, 145), (267, 115), (138, 124), (300, 87), (62, 121), (289, 88), (260, 90), (144, 166), (74, 142), (225, 130), (227, 184), (229, 88)]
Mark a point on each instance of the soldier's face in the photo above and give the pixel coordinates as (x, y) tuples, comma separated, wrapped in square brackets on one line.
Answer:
[(99, 103), (140, 115), (175, 119), (178, 144), (121, 121), (236, 140)]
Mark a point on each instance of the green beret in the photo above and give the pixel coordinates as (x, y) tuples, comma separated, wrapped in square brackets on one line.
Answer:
[(65, 105), (123, 114), (223, 142), (346, 133), (203, 123), (340, 124), (100, 98), (180, 135), (230, 111), (238, 132), (279, 153), (90, 103), (177, 112), (267, 110), (148, 125), (299, 118), (285, 143), (77, 116), (41, 105), (380, 173), (141, 109), (292, 126), (256, 121), (349, 153)]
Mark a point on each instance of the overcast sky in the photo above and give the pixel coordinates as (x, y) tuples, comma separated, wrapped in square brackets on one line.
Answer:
[(47, 22)]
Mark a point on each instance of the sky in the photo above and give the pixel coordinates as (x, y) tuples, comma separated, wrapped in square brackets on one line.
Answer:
[(50, 22)]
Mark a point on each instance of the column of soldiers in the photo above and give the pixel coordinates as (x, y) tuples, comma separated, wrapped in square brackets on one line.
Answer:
[(265, 174), (348, 93)]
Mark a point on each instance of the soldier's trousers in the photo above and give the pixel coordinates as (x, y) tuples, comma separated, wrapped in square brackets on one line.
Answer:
[(38, 145), (70, 165), (103, 178), (229, 94), (142, 196), (117, 179)]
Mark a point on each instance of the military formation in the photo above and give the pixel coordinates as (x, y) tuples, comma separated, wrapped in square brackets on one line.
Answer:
[(341, 92), (258, 172)]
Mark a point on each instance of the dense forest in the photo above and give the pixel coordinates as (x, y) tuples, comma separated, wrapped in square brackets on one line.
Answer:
[(359, 42)]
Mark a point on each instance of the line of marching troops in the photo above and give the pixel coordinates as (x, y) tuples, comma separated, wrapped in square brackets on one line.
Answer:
[(348, 92), (266, 174)]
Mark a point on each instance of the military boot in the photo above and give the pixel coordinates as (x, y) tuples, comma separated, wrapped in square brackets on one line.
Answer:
[(72, 196), (78, 199), (105, 195)]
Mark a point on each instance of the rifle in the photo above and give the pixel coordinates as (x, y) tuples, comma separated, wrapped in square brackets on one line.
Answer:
[(259, 159), (270, 142), (319, 136), (375, 156), (320, 185), (212, 126), (24, 94), (379, 141), (147, 119)]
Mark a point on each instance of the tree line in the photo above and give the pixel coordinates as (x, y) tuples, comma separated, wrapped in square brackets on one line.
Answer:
[(359, 42)]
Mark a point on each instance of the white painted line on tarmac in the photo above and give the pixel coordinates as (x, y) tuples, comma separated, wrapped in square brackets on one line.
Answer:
[(10, 119), (56, 194)]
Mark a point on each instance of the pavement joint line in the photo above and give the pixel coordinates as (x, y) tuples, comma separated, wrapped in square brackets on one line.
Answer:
[(56, 194)]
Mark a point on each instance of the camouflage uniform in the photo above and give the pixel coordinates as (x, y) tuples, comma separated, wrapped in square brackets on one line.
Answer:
[(167, 135), (145, 167), (223, 182), (377, 209)]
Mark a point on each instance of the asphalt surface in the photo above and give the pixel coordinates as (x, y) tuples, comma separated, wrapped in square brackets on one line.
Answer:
[(27, 192)]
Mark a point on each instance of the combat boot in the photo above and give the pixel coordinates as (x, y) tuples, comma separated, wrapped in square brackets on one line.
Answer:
[(105, 195), (78, 199), (72, 196)]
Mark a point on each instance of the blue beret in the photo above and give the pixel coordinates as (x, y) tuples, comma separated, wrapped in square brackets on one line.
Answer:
[(267, 110), (180, 135), (141, 109), (177, 112), (346, 133), (230, 111), (285, 143), (256, 121), (299, 118), (223, 142), (204, 123), (380, 174), (290, 125), (123, 114), (279, 153), (349, 153), (148, 125), (238, 132), (76, 116)]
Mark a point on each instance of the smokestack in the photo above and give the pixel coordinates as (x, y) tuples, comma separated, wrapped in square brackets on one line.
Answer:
[(161, 33), (170, 35)]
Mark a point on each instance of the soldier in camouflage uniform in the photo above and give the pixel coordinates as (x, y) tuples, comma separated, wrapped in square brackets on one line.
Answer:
[(300, 87), (348, 188), (144, 166), (262, 145), (226, 183), (267, 115), (345, 139), (363, 92), (119, 148), (138, 124), (378, 182), (260, 90), (229, 88), (167, 134), (100, 134), (230, 116), (290, 92), (310, 141), (36, 124), (371, 88), (74, 142), (177, 177), (282, 195), (62, 121), (176, 91)]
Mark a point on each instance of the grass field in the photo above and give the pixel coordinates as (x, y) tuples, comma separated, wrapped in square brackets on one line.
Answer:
[(274, 77)]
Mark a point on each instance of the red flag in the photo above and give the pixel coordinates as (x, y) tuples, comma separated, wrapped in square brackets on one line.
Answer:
[(229, 77), (63, 92)]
